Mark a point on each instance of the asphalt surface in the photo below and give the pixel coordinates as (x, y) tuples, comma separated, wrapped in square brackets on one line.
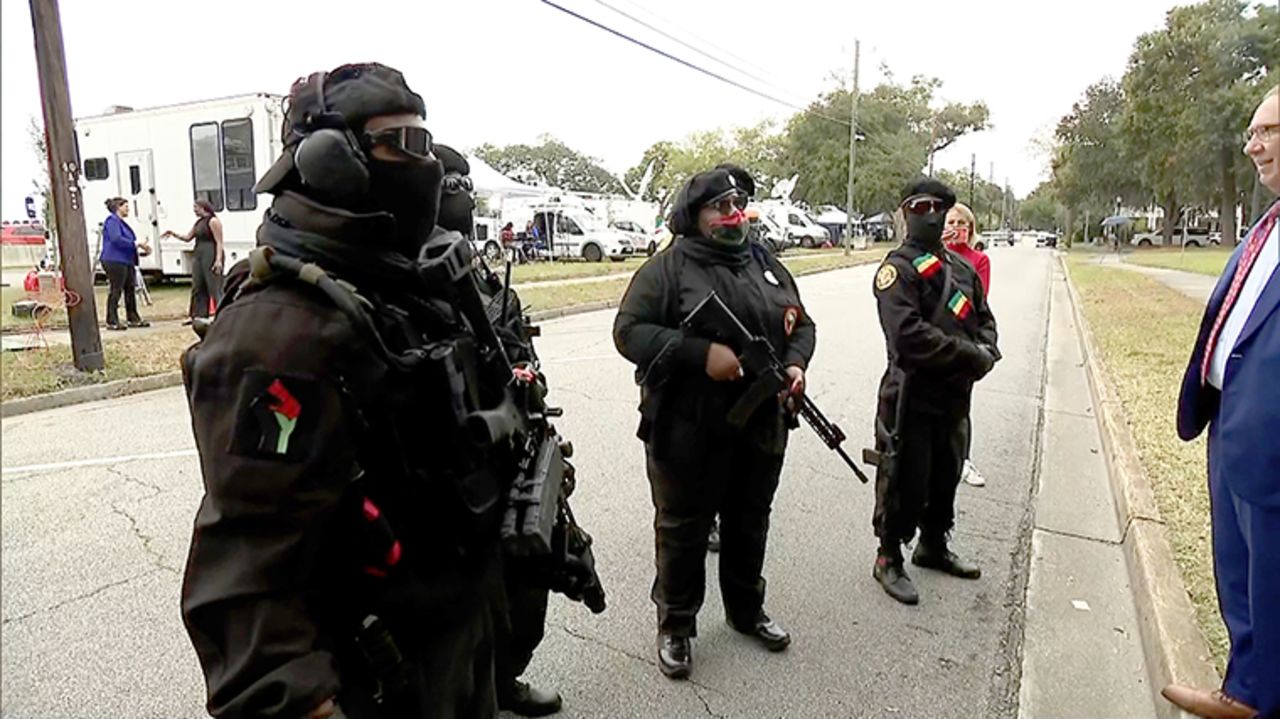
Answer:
[(98, 501)]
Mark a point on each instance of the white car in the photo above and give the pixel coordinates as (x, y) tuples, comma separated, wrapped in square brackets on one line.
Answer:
[(578, 233)]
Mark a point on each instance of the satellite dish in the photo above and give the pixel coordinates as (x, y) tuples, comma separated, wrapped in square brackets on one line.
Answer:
[(782, 189)]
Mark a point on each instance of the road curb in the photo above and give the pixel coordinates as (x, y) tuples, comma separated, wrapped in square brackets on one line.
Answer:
[(1175, 648), (92, 393)]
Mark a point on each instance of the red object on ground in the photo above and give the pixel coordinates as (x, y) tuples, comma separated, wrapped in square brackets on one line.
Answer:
[(31, 283)]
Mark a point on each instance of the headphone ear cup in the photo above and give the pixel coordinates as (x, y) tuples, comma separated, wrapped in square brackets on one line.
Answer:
[(330, 161)]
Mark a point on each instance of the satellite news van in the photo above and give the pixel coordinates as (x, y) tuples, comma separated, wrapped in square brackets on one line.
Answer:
[(162, 159)]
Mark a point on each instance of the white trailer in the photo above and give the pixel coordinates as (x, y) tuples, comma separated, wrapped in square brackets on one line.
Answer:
[(163, 159)]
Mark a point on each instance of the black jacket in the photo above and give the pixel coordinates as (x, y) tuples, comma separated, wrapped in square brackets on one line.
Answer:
[(933, 337), (302, 428), (676, 393)]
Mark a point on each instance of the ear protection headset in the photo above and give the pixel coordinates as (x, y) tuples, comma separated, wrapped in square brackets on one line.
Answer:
[(328, 155)]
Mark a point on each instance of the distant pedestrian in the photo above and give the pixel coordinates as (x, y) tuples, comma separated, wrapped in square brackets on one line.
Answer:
[(208, 258), (1230, 387), (961, 228), (119, 260)]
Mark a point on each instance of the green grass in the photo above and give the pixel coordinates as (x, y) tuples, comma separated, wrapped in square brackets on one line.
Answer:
[(1204, 261), (38, 371), (168, 302), (570, 269), (801, 265), (1145, 332)]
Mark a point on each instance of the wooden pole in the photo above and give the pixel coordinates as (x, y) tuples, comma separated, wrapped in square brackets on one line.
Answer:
[(64, 178), (853, 149)]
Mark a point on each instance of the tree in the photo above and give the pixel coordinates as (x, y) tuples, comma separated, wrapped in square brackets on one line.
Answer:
[(758, 149), (1191, 87), (899, 131), (551, 163), (986, 200), (1041, 209)]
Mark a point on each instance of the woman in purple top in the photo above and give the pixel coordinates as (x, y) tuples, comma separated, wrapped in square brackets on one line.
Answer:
[(119, 260)]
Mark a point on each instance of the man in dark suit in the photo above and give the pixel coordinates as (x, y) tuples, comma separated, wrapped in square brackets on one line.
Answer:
[(1231, 387)]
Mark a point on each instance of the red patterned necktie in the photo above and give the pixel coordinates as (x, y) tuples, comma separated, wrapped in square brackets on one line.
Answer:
[(1253, 248)]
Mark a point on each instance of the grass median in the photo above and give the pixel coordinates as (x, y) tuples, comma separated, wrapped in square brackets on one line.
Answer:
[(1203, 261), (135, 354), (1145, 332), (168, 302)]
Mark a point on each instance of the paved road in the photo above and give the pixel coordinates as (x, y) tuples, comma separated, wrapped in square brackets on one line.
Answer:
[(98, 501)]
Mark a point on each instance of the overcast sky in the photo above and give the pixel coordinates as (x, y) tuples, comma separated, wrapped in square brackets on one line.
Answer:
[(505, 71)]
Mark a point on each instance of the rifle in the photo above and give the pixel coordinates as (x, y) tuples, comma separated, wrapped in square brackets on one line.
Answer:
[(713, 319), (537, 521)]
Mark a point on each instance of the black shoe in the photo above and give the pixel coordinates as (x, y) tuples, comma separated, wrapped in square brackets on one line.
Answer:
[(675, 656), (889, 572), (139, 323), (116, 327), (935, 555), (528, 701), (713, 540), (768, 632)]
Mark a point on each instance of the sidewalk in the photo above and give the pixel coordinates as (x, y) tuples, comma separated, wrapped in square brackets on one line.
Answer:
[(1196, 286), (1082, 653)]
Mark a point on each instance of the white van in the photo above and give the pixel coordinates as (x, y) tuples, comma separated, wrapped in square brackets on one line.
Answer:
[(163, 159), (800, 229), (576, 232)]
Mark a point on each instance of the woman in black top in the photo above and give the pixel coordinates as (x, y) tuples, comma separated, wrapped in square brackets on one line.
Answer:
[(699, 464), (207, 263)]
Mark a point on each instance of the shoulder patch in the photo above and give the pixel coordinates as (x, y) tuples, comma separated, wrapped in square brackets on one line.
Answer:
[(275, 417), (886, 276)]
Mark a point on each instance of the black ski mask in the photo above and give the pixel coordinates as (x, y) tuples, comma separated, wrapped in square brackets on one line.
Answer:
[(925, 204), (457, 206), (409, 189)]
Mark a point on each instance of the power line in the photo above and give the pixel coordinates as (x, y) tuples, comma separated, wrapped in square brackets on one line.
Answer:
[(736, 68), (691, 66)]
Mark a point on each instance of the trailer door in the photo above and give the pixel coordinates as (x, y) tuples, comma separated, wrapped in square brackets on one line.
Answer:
[(137, 185)]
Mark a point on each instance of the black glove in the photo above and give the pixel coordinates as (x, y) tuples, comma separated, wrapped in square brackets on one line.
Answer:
[(984, 359)]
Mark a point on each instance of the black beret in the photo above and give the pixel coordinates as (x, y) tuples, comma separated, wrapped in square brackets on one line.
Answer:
[(701, 190), (930, 186), (746, 182)]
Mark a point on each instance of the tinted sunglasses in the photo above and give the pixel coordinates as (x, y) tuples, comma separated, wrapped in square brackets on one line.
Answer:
[(413, 141), (729, 204), (454, 183), (924, 205)]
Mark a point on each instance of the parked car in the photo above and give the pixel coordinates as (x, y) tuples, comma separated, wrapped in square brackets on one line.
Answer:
[(1046, 239), (1194, 237)]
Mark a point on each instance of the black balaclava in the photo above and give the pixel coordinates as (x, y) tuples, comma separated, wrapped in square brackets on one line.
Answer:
[(926, 230), (408, 189), (457, 206)]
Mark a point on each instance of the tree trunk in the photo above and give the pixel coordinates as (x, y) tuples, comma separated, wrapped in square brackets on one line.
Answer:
[(1227, 213), (1071, 224), (1170, 218)]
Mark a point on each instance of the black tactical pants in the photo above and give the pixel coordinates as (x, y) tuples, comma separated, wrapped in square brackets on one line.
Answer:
[(922, 495), (736, 479), (521, 630)]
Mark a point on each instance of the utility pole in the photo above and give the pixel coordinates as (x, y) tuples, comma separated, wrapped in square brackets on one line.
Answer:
[(853, 150), (1004, 205), (64, 178)]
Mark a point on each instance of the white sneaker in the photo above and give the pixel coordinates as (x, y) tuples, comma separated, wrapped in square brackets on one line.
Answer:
[(971, 476)]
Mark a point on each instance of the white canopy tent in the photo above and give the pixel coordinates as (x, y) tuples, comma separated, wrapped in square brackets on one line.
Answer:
[(488, 181)]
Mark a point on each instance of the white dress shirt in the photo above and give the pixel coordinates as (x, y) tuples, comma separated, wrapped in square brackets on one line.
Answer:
[(1254, 284)]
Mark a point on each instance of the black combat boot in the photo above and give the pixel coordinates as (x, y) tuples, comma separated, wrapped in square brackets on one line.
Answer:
[(675, 656), (891, 575), (932, 553), (525, 700)]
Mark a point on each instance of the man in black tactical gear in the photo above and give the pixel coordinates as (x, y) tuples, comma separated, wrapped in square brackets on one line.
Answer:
[(699, 463), (345, 556), (521, 626), (941, 339)]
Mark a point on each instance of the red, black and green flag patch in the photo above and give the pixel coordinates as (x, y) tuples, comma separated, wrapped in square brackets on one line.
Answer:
[(927, 265)]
